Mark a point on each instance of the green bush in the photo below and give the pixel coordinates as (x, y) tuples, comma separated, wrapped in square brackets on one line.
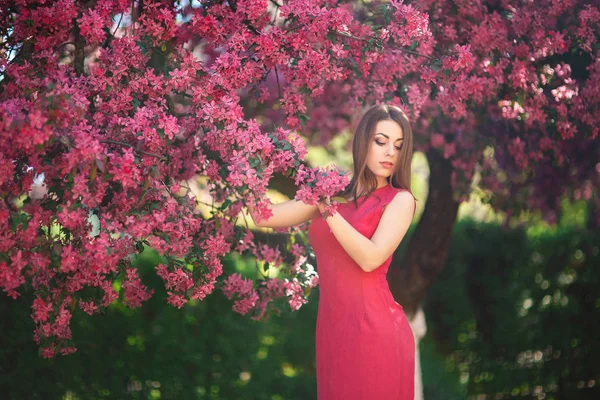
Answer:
[(518, 313)]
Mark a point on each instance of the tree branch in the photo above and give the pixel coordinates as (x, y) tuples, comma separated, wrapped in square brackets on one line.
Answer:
[(79, 59)]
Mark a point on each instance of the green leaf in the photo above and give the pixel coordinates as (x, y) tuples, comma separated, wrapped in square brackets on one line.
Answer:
[(305, 89), (135, 103), (303, 118), (387, 16), (19, 219), (332, 37), (225, 204), (254, 162), (139, 247)]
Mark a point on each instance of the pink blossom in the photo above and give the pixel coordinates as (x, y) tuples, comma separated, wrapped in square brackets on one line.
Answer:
[(89, 307), (41, 310), (245, 304), (91, 25), (235, 284), (135, 292), (176, 300)]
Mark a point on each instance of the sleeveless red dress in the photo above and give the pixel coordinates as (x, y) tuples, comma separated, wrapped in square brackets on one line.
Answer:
[(365, 348)]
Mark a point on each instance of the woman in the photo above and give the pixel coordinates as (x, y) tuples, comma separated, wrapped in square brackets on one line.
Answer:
[(364, 344)]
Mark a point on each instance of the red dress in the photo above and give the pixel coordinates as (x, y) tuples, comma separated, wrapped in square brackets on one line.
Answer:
[(365, 348)]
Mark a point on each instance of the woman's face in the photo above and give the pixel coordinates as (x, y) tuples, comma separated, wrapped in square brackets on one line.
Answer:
[(385, 147)]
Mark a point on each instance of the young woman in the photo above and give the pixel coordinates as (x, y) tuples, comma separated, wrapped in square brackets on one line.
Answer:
[(364, 345)]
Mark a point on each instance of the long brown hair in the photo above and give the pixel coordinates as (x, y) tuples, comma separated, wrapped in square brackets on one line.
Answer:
[(361, 143)]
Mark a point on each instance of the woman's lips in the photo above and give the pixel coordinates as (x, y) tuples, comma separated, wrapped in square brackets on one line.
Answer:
[(387, 164)]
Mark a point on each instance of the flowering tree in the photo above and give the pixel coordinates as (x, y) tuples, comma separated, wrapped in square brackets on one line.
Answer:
[(519, 105), (119, 103)]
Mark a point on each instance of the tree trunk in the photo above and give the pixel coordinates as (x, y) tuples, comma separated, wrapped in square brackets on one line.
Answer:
[(427, 251)]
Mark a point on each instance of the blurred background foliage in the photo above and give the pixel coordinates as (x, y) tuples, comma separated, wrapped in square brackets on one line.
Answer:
[(514, 314)]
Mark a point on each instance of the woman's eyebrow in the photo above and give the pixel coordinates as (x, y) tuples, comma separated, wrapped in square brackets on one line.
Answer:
[(379, 133)]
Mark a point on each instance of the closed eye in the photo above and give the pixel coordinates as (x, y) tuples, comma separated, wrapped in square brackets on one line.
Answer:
[(383, 144)]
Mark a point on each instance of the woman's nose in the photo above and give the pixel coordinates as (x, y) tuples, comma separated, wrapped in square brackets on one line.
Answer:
[(390, 151)]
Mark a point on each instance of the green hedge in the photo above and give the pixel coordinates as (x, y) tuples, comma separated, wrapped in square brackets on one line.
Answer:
[(517, 313), (492, 331)]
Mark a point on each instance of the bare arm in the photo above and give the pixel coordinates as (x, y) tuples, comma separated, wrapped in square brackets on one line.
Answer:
[(286, 214), (369, 254)]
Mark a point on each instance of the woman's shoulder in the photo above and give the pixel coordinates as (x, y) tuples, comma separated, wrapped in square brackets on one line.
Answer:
[(403, 194)]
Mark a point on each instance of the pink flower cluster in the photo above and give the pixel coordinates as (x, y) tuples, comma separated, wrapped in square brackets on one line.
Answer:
[(320, 184)]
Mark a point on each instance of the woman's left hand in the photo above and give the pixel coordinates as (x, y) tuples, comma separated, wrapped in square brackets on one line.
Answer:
[(321, 206)]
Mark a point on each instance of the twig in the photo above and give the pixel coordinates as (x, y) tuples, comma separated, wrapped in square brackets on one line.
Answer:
[(349, 36), (118, 25), (278, 85), (144, 195), (262, 79), (65, 44), (163, 158), (177, 199), (255, 260), (413, 52), (294, 27), (277, 5)]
